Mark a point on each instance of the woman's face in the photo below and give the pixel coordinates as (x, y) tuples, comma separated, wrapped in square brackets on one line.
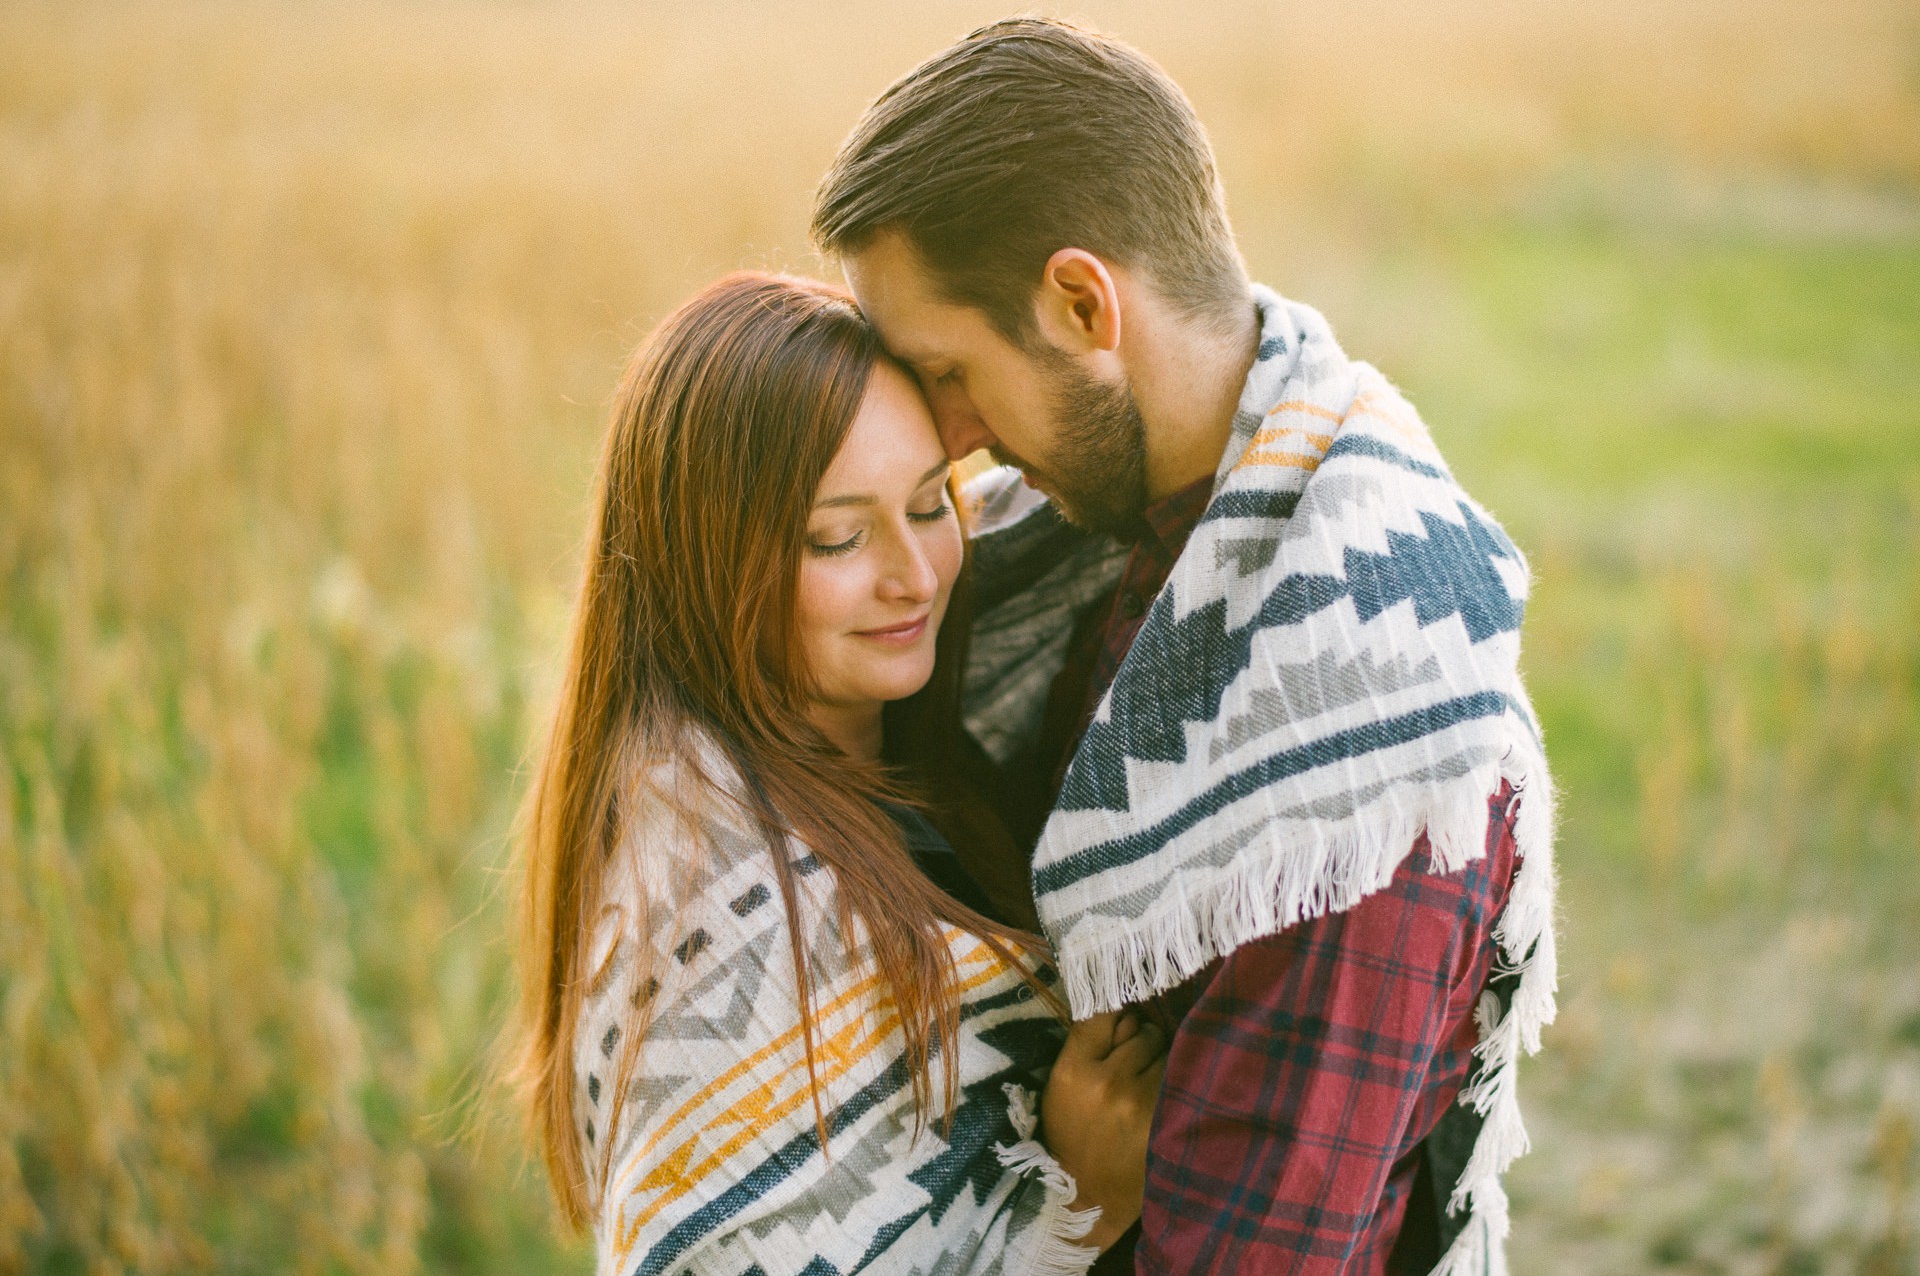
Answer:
[(883, 548)]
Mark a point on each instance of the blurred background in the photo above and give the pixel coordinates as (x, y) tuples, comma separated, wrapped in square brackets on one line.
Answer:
[(309, 316)]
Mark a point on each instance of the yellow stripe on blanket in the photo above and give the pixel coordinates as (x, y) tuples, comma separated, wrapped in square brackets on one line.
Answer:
[(1394, 413), (1290, 446), (1301, 405), (838, 1051)]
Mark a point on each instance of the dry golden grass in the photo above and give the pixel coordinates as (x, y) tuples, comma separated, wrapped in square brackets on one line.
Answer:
[(306, 317)]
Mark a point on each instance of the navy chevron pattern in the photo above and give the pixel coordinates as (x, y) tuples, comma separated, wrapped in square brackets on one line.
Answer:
[(1339, 746), (1330, 671), (716, 1162), (1162, 686), (1447, 572)]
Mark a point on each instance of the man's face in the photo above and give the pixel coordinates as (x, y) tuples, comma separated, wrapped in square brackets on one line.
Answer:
[(1075, 437)]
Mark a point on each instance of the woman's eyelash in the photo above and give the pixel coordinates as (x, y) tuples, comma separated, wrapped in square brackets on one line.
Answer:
[(846, 546), (854, 541), (933, 515)]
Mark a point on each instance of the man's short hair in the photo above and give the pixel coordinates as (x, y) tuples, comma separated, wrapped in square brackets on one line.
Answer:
[(1027, 137)]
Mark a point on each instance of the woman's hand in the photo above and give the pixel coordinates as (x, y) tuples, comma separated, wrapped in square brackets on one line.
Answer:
[(1096, 1110)]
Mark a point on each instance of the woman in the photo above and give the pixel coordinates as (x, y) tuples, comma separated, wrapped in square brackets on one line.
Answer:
[(770, 1023)]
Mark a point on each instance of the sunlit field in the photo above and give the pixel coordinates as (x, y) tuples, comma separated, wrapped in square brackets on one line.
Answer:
[(308, 319)]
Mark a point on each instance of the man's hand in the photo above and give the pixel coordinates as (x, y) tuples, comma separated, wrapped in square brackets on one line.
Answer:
[(1096, 1111)]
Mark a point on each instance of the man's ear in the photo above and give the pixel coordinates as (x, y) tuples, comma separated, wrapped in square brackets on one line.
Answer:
[(1078, 305)]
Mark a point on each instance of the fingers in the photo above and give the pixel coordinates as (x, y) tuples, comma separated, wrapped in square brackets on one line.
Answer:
[(1127, 1038), (1142, 1050), (1092, 1037)]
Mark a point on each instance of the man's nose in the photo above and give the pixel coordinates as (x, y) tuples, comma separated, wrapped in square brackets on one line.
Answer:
[(962, 432)]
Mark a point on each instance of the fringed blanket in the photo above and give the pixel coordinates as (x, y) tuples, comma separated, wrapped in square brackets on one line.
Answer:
[(1330, 670), (716, 1164)]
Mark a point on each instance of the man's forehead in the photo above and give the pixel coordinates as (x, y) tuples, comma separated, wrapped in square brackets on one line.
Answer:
[(888, 264), (894, 290)]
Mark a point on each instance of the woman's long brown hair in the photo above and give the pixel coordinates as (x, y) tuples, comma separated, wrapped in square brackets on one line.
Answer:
[(725, 422)]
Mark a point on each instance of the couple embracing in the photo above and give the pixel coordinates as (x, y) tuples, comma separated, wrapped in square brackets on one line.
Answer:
[(1139, 857)]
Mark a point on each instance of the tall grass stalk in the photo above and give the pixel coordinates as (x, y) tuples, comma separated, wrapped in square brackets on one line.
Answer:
[(307, 316)]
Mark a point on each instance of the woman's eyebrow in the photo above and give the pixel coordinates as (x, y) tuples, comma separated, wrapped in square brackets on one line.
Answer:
[(866, 498)]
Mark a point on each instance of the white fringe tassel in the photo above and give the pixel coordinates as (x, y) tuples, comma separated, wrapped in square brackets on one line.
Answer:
[(1186, 931), (1062, 1225), (1525, 935)]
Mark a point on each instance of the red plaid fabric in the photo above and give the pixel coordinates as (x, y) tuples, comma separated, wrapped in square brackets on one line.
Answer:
[(1306, 1068)]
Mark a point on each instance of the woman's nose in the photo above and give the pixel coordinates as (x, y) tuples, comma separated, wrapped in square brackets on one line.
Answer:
[(910, 575)]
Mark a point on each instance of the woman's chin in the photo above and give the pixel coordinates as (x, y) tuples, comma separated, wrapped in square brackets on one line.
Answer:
[(898, 684), (908, 687)]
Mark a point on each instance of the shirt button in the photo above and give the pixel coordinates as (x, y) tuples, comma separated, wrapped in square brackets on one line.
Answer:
[(1132, 605)]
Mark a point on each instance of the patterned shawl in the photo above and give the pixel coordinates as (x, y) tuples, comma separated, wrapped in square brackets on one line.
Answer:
[(715, 1163), (1330, 670)]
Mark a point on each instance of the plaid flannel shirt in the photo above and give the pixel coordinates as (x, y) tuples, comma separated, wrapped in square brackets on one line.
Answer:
[(1308, 1068)]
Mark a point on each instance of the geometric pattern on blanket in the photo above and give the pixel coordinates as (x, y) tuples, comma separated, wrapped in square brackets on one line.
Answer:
[(1331, 669), (716, 1164)]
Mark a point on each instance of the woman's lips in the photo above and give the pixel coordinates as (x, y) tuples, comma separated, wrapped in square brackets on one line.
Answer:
[(896, 635)]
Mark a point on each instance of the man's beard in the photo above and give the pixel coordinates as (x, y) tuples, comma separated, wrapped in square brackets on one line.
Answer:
[(1098, 467)]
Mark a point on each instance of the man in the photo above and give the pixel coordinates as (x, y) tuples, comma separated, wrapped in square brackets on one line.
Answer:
[(1289, 792)]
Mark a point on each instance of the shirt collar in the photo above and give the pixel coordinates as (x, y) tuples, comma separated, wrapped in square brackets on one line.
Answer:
[(1170, 520)]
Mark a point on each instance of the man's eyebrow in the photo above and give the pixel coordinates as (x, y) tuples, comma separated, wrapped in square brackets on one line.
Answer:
[(863, 498), (917, 359)]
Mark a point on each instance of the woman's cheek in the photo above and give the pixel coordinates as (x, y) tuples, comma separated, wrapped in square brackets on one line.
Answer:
[(947, 553), (822, 607)]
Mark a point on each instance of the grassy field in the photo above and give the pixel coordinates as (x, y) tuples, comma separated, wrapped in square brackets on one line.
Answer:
[(308, 317)]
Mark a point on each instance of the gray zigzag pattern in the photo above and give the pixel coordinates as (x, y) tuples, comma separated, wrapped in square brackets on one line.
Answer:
[(847, 1178), (731, 847), (1246, 554), (1307, 689), (1332, 490), (1341, 803), (951, 1255), (829, 959), (651, 1091), (746, 969), (648, 1094), (1329, 493), (1019, 648), (1333, 806)]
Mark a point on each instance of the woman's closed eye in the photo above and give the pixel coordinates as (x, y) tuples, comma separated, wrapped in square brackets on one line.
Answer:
[(836, 548), (933, 515), (822, 548)]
